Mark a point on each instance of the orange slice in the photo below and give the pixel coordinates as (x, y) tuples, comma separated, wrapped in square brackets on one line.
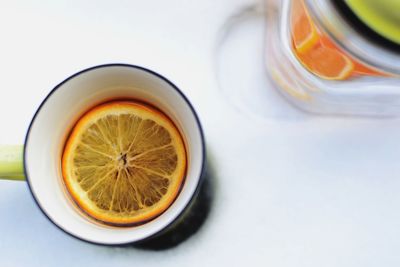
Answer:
[(124, 163), (359, 68), (318, 53), (327, 63), (320, 59), (304, 33)]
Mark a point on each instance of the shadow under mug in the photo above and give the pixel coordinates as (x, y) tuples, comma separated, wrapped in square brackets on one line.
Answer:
[(52, 123)]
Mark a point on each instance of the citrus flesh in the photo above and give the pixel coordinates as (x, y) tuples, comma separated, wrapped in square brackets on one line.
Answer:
[(327, 63), (124, 163), (318, 53), (359, 68), (304, 35)]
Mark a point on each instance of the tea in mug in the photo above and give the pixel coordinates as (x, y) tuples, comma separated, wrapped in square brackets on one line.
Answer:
[(124, 163)]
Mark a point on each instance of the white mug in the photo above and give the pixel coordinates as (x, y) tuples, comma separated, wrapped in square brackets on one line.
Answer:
[(53, 121)]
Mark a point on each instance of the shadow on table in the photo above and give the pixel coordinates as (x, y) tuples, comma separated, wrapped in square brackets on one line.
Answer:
[(190, 221)]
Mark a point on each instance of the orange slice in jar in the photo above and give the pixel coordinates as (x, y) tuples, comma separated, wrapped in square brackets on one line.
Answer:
[(327, 63), (359, 68), (318, 53), (304, 33)]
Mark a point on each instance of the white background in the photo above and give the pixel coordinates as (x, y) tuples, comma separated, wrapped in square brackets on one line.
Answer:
[(291, 189)]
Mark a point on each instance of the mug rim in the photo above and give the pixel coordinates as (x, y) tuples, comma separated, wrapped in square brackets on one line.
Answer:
[(137, 67)]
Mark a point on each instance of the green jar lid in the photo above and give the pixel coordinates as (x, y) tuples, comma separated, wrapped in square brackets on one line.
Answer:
[(383, 16)]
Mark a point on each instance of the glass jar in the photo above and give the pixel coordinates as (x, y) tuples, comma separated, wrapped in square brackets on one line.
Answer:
[(324, 60)]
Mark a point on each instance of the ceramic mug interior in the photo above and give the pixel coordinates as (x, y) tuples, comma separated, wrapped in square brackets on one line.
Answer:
[(54, 120)]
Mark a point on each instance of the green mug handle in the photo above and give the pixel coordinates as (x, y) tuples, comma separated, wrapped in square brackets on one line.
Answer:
[(11, 162)]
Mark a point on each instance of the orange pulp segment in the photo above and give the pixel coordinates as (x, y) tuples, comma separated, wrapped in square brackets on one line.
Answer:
[(304, 35), (318, 53), (359, 69), (327, 63)]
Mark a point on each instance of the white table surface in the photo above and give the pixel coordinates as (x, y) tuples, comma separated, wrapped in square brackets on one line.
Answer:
[(291, 189)]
